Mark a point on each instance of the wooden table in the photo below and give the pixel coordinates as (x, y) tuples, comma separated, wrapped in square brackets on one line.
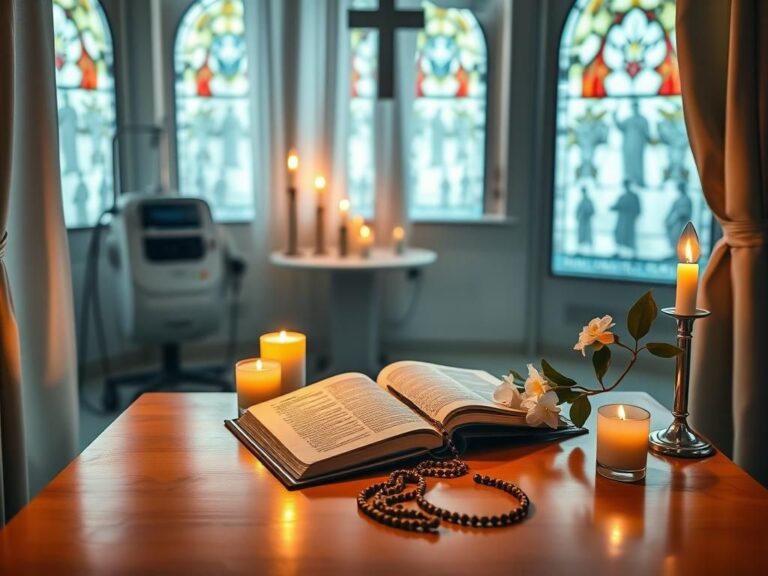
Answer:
[(166, 489), (355, 295)]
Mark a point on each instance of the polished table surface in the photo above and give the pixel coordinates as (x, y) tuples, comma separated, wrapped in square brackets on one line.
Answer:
[(166, 489)]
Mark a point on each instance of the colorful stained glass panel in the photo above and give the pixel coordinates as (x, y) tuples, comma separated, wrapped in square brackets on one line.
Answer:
[(86, 106), (625, 180), (212, 108)]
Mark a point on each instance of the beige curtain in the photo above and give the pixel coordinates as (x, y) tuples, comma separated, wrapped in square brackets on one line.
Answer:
[(13, 464), (723, 53)]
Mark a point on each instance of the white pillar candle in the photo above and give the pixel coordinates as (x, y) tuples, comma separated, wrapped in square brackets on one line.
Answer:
[(290, 350), (366, 241), (256, 380), (688, 252), (398, 239), (622, 439)]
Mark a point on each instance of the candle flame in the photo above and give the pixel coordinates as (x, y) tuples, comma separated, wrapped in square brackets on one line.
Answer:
[(398, 233), (283, 335), (344, 204), (365, 231), (622, 414), (688, 249), (259, 364), (293, 161), (320, 183)]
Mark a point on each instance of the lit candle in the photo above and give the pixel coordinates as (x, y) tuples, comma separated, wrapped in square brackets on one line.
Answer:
[(290, 350), (688, 253), (398, 238), (354, 232), (320, 216), (293, 229), (366, 241), (256, 381), (622, 442), (343, 227)]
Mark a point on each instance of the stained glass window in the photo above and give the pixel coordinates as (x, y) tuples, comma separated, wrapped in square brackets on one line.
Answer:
[(85, 92), (447, 166), (449, 116), (212, 110), (625, 180)]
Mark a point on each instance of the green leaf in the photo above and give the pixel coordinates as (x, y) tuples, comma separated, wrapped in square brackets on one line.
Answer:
[(641, 316), (663, 350), (517, 376), (566, 395), (554, 376), (601, 359), (580, 410)]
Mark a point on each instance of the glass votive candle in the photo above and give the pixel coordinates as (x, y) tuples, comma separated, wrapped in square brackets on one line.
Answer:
[(256, 380), (622, 442)]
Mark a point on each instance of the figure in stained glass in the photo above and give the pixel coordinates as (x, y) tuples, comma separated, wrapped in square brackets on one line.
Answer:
[(635, 133), (590, 131), (212, 107), (68, 137), (679, 215), (627, 209), (620, 131), (585, 211)]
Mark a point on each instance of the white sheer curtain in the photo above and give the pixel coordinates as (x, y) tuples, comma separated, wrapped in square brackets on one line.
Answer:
[(38, 255), (13, 465)]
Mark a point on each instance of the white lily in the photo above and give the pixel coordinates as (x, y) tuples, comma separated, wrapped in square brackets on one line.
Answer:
[(507, 393), (596, 332), (543, 410)]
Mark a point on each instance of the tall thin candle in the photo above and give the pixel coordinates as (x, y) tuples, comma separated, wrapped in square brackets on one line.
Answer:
[(688, 252), (343, 227), (320, 215), (292, 248)]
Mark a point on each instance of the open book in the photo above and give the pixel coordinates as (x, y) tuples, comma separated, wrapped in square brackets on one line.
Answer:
[(349, 423)]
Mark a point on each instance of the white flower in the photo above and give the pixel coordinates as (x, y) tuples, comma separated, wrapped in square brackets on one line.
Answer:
[(543, 410), (596, 332), (634, 49), (535, 384), (507, 393)]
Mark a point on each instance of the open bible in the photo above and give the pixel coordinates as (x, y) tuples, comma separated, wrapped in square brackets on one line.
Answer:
[(348, 423)]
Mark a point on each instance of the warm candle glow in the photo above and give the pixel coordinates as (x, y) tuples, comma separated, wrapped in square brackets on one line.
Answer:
[(344, 205), (259, 364), (320, 183), (398, 233), (622, 441), (688, 253), (365, 232), (688, 249), (257, 381), (290, 350), (622, 414), (293, 161)]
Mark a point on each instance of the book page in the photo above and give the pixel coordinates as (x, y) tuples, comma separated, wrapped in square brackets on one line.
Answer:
[(336, 416), (438, 390)]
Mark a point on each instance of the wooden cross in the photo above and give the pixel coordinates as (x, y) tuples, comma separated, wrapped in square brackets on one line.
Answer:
[(386, 20)]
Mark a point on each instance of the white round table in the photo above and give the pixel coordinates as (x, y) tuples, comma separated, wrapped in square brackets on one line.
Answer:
[(355, 294)]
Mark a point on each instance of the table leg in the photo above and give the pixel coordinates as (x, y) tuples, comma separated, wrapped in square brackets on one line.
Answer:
[(355, 322)]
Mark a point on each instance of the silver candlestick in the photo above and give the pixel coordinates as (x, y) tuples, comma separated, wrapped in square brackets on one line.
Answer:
[(679, 439)]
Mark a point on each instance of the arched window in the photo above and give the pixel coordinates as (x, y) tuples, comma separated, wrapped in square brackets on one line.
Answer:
[(449, 116), (625, 180), (212, 108), (85, 91), (447, 165)]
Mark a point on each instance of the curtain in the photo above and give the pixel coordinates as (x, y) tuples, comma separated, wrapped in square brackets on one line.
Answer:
[(38, 254), (723, 54), (13, 465)]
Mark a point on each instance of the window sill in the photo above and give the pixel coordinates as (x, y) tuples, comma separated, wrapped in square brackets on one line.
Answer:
[(485, 220)]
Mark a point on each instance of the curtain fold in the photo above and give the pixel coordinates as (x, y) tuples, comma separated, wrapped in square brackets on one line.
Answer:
[(723, 55), (38, 255), (13, 462)]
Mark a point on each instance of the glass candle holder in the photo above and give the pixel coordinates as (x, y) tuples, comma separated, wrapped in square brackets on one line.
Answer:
[(622, 442), (256, 380)]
